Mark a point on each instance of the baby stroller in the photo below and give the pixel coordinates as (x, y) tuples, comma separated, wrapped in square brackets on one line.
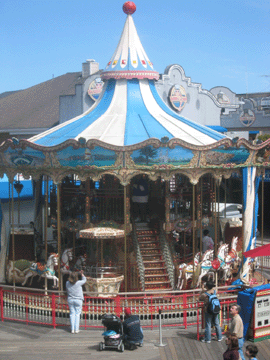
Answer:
[(113, 336)]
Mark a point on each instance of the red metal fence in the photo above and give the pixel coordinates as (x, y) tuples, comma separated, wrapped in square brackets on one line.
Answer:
[(178, 308)]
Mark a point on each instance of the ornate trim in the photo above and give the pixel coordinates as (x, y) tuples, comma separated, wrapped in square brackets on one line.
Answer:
[(130, 74)]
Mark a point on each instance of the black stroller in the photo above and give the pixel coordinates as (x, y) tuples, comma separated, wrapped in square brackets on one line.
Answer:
[(113, 336)]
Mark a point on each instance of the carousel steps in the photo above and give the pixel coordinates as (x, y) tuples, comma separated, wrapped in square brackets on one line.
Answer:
[(153, 261), (155, 278), (155, 273)]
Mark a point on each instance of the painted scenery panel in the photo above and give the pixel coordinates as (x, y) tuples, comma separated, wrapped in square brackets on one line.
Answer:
[(85, 157), (149, 156), (26, 157), (227, 156)]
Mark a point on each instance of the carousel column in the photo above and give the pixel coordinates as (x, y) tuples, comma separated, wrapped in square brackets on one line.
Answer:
[(87, 202), (125, 228), (13, 235), (193, 227), (262, 212), (46, 228), (60, 287), (215, 216), (167, 206)]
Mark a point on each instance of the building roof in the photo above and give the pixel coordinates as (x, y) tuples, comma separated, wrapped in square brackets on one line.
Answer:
[(38, 106)]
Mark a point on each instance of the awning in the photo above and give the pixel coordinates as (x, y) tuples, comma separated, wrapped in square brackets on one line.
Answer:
[(259, 251), (217, 128), (253, 132)]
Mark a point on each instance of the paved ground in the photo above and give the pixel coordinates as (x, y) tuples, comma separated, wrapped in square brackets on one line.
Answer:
[(19, 341)]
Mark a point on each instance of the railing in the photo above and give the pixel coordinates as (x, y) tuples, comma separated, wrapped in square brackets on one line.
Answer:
[(264, 261), (138, 256), (178, 308), (167, 256)]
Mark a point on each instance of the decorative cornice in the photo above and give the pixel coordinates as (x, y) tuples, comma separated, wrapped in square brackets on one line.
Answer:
[(170, 68), (140, 74)]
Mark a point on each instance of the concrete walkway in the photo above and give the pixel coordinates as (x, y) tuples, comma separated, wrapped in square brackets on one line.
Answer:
[(19, 341)]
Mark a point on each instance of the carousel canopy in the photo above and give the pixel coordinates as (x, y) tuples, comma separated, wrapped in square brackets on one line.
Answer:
[(130, 109)]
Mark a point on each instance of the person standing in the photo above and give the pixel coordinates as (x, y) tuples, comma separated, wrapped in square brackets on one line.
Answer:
[(207, 241), (140, 199), (237, 327), (206, 295), (132, 330), (232, 352), (75, 299)]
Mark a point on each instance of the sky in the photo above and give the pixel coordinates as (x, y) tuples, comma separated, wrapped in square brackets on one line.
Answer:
[(217, 43)]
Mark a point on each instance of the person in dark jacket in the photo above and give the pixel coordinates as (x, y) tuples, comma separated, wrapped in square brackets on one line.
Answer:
[(132, 330), (232, 351)]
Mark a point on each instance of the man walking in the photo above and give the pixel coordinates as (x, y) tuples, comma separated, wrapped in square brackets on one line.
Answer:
[(237, 327), (212, 308)]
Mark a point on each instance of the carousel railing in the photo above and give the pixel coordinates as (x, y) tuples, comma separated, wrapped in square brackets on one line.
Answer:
[(264, 262), (167, 256), (51, 308), (106, 272), (139, 258)]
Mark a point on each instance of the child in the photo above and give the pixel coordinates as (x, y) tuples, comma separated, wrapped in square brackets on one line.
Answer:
[(251, 352)]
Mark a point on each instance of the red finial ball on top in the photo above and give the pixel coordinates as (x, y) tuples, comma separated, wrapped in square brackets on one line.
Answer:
[(129, 7)]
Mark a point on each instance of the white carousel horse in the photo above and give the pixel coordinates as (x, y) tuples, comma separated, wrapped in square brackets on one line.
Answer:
[(66, 257), (249, 263), (46, 271), (186, 271), (80, 263), (16, 270), (206, 263)]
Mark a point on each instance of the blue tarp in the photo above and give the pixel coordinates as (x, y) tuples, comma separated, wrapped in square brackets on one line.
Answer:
[(246, 300)]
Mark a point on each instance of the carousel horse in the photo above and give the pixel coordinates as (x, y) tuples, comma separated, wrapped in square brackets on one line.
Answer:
[(16, 270), (80, 263), (250, 264), (186, 271), (41, 270), (205, 266), (66, 258)]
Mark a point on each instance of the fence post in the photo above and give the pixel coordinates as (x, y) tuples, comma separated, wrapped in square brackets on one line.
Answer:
[(198, 323), (185, 311), (53, 311), (2, 304), (117, 306), (27, 307)]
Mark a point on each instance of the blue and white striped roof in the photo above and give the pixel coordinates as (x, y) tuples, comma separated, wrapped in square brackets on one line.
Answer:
[(130, 109), (129, 112)]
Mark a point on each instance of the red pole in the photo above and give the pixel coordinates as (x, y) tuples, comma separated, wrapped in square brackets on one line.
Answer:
[(2, 304), (53, 311), (198, 324), (26, 308), (151, 312), (185, 311), (117, 306)]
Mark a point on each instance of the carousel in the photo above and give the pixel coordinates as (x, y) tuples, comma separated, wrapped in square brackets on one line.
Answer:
[(92, 168)]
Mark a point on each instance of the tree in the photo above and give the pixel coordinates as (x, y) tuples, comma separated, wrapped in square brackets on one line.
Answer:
[(148, 152)]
